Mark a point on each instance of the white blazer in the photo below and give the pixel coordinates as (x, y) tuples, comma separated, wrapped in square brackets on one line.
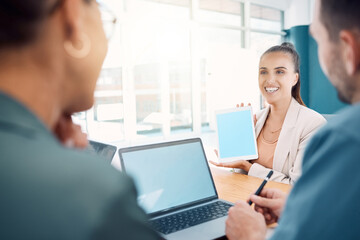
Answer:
[(299, 125)]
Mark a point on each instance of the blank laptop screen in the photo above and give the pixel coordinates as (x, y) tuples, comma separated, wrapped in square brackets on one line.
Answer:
[(169, 176)]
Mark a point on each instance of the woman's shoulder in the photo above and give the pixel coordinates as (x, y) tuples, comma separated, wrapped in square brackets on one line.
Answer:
[(309, 118), (306, 112)]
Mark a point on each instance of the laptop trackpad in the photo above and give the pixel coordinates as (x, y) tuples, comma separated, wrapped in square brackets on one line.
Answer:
[(208, 230)]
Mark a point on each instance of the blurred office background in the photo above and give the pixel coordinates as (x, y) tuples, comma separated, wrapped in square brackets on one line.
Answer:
[(172, 63)]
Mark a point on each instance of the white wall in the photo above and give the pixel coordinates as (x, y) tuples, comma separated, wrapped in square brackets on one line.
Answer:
[(296, 12), (299, 12), (232, 79)]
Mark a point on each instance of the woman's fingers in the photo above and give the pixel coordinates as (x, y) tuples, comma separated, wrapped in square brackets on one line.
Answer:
[(216, 152), (242, 105), (215, 163), (228, 165)]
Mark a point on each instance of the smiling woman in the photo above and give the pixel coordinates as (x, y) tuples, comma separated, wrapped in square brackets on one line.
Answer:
[(284, 127), (289, 69)]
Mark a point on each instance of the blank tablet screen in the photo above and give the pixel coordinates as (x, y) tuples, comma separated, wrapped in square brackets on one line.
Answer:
[(236, 135)]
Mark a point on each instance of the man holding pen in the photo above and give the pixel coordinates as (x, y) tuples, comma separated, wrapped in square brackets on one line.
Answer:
[(324, 202)]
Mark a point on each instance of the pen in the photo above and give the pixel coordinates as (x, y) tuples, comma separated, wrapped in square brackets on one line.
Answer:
[(258, 191)]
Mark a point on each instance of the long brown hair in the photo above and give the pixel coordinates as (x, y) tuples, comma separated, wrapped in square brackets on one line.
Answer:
[(288, 48)]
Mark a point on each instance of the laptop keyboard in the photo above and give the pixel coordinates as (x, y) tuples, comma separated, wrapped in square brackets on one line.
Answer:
[(189, 218)]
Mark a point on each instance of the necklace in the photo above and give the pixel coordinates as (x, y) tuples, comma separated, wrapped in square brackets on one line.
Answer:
[(275, 130), (271, 132), (267, 141), (267, 127)]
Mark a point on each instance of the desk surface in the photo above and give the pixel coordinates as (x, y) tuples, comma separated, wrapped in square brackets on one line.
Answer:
[(235, 186)]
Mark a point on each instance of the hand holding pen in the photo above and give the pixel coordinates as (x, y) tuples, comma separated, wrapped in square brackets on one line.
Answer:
[(258, 191), (269, 202)]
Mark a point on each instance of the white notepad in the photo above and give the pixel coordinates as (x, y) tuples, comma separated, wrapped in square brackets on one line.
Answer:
[(236, 134)]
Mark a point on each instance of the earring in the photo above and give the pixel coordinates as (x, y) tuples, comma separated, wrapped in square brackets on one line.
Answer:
[(78, 53)]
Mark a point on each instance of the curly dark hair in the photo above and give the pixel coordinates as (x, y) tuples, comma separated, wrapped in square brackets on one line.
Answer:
[(21, 20)]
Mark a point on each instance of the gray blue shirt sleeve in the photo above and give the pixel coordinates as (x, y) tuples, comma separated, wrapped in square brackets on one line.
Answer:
[(324, 202)]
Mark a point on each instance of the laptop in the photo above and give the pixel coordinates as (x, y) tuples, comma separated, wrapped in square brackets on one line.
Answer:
[(176, 189), (106, 151)]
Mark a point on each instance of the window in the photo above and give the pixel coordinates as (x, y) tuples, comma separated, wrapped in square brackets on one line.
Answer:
[(226, 12), (267, 40), (184, 3), (168, 66), (161, 66), (266, 18)]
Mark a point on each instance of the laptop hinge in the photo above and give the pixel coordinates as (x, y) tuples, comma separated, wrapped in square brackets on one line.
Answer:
[(188, 205)]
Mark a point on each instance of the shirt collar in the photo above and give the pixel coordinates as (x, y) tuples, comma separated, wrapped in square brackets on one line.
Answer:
[(19, 118)]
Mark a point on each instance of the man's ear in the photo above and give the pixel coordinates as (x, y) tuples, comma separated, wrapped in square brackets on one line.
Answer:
[(350, 50), (72, 20)]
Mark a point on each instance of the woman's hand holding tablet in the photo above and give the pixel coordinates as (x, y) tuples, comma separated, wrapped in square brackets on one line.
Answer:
[(236, 136)]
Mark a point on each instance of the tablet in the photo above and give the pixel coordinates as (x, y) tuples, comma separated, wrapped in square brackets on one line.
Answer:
[(236, 134)]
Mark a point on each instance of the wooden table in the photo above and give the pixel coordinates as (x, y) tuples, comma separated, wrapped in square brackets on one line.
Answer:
[(235, 186)]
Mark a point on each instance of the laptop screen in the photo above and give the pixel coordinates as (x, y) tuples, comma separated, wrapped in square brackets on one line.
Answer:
[(169, 175)]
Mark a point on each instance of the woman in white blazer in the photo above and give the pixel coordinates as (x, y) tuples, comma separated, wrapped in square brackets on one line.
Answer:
[(285, 126)]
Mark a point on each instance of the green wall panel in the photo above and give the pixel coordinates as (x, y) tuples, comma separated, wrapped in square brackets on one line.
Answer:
[(316, 91)]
